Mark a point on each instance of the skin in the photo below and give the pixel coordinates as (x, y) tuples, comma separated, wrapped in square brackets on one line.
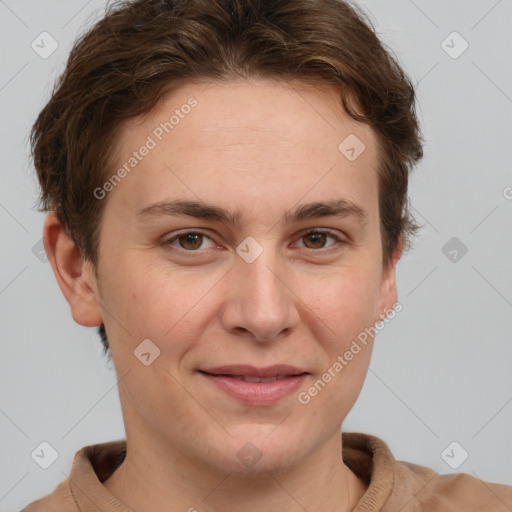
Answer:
[(260, 147)]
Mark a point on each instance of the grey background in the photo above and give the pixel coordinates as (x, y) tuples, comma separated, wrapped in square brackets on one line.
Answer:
[(441, 370)]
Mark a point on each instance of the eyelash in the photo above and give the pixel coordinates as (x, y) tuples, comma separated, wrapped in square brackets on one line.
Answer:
[(338, 240)]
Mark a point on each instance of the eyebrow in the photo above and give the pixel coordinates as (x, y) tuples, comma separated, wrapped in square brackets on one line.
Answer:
[(340, 208)]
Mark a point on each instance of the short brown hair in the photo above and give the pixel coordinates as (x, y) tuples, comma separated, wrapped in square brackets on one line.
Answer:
[(142, 49)]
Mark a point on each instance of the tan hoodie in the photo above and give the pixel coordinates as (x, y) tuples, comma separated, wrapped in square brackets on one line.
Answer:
[(393, 486)]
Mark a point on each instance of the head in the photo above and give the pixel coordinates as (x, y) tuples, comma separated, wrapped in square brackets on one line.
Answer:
[(259, 112)]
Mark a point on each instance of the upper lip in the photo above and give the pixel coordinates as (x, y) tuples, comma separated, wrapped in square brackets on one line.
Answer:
[(252, 371)]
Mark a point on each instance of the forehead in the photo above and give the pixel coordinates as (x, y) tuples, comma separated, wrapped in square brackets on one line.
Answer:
[(223, 113), (291, 138)]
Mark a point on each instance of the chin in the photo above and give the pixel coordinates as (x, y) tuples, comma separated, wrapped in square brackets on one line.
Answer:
[(258, 449)]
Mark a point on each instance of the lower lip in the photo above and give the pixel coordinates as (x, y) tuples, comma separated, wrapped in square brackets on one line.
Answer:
[(260, 393)]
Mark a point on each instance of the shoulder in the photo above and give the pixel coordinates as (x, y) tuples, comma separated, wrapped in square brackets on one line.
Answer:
[(92, 465), (395, 485), (60, 500), (419, 488)]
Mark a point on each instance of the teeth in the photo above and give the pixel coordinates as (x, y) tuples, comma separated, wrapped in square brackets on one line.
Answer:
[(248, 378)]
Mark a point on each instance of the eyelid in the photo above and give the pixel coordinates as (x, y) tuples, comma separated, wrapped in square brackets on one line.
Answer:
[(321, 230)]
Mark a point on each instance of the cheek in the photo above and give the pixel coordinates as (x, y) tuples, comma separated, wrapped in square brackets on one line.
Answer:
[(330, 396), (347, 315), (345, 303), (157, 302)]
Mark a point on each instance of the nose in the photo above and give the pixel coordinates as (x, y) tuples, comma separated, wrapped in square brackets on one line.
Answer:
[(260, 299)]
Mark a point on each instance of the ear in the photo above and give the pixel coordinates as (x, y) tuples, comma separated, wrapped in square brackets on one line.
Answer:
[(74, 274), (388, 293)]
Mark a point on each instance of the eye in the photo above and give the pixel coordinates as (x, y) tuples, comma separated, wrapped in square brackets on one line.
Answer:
[(317, 238), (189, 241)]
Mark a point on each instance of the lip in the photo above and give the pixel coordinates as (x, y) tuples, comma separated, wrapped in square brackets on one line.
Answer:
[(252, 371), (257, 393), (227, 379)]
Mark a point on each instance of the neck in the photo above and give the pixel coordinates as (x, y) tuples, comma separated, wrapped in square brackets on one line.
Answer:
[(151, 478)]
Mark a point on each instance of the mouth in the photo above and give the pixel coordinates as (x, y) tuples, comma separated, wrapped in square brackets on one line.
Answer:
[(251, 378), (256, 386), (253, 374)]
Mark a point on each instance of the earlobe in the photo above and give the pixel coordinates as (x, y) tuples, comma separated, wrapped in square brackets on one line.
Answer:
[(75, 276)]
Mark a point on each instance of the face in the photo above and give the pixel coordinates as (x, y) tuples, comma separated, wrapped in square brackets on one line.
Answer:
[(253, 278)]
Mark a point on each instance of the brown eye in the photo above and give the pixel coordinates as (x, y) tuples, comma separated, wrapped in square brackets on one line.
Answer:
[(190, 240), (317, 239)]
